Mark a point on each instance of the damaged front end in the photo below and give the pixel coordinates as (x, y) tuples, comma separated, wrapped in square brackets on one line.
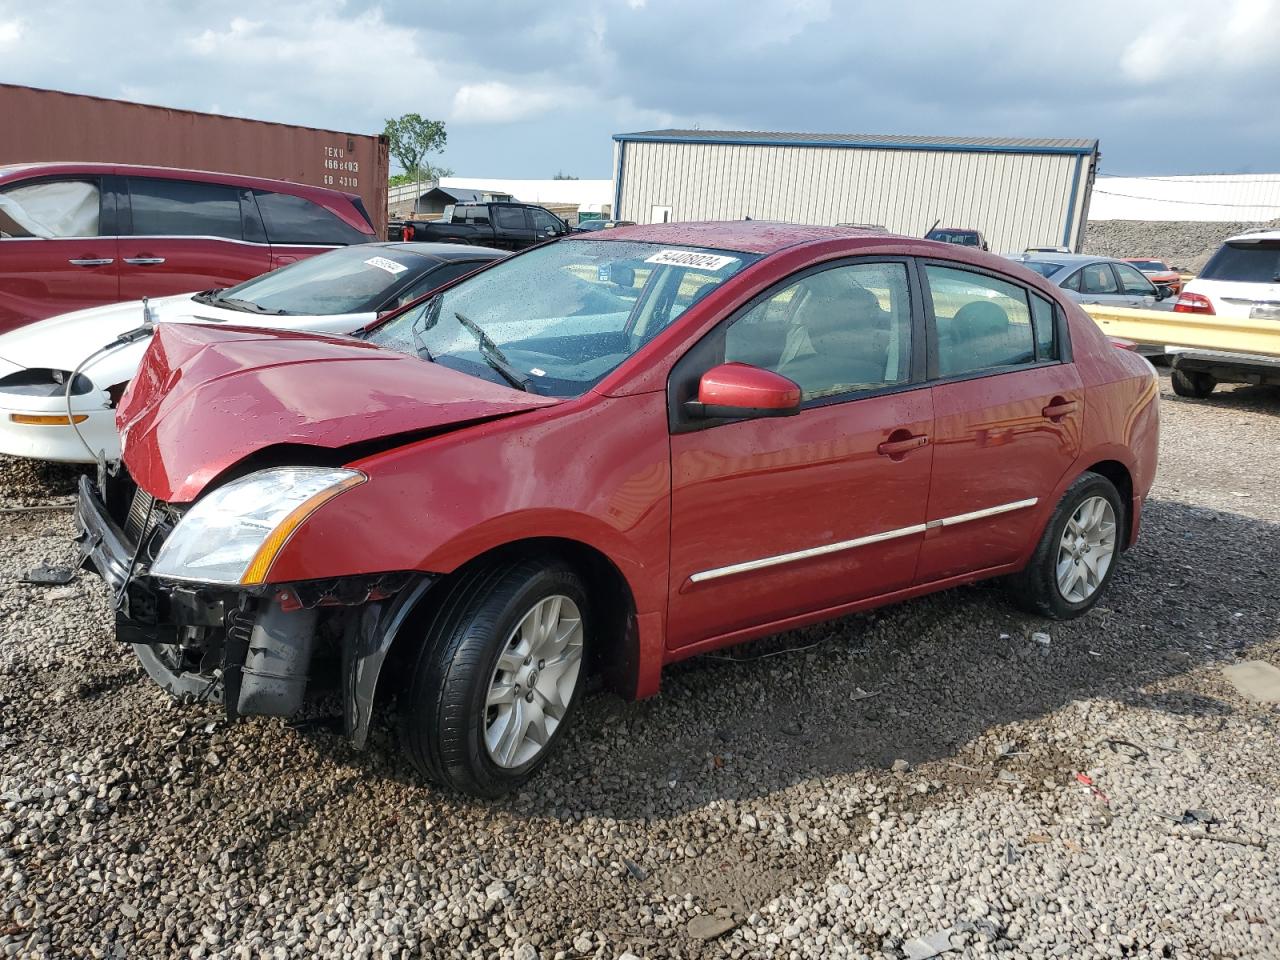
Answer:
[(224, 636)]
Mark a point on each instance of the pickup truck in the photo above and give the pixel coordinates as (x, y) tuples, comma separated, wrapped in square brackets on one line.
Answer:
[(510, 226)]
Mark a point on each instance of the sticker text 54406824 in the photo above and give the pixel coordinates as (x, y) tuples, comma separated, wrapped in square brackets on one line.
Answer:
[(691, 258), (382, 263)]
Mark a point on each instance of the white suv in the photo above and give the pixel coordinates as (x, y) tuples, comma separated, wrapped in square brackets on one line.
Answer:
[(1241, 280)]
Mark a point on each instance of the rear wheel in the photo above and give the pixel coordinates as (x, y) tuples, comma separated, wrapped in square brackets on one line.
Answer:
[(1076, 555), (1192, 383), (498, 677)]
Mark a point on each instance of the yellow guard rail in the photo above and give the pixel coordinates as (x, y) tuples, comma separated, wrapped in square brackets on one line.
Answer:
[(1164, 328)]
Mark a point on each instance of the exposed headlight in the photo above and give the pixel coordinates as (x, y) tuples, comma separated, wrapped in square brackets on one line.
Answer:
[(233, 534)]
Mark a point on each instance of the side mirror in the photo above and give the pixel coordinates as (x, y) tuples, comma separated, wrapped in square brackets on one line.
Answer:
[(739, 390), (1163, 291)]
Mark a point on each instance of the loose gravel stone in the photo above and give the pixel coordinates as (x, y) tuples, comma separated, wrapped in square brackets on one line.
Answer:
[(134, 827)]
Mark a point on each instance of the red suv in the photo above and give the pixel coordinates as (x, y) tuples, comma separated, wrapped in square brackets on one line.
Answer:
[(75, 235), (605, 454)]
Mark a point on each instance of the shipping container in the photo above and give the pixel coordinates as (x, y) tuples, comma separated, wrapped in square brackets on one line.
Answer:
[(50, 125)]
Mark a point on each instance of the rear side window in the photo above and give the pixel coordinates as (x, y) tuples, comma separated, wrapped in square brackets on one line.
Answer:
[(982, 323), (291, 219), (1098, 278), (1257, 262), (184, 208), (510, 218), (51, 209)]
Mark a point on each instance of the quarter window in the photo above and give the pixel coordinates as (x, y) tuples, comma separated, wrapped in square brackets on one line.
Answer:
[(184, 208), (51, 209), (843, 330), (294, 220), (982, 323), (1042, 318)]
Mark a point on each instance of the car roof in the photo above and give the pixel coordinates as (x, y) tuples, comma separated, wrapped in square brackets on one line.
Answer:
[(1073, 259), (1254, 235), (742, 236), (441, 251)]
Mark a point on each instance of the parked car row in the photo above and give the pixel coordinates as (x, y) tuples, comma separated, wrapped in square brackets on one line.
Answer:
[(541, 470), (506, 225)]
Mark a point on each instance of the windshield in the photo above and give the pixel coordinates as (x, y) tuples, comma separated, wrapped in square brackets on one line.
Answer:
[(1043, 267), (966, 238), (1245, 262), (557, 319), (351, 280), (1154, 266)]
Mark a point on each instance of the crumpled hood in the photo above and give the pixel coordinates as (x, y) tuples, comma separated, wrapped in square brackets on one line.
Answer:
[(205, 398)]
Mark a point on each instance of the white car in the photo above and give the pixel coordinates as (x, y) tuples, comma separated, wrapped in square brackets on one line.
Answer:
[(1241, 280), (336, 292)]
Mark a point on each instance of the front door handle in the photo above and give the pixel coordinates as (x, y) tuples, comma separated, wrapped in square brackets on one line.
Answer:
[(900, 443), (92, 261), (144, 261), (1058, 408)]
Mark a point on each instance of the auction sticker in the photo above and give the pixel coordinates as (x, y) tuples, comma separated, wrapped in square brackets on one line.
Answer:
[(691, 258), (382, 263)]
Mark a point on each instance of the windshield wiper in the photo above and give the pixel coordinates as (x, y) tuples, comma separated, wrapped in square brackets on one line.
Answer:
[(208, 296), (430, 310), (493, 354), (248, 306)]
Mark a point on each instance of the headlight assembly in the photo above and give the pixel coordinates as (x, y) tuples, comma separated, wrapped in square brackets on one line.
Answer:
[(234, 533)]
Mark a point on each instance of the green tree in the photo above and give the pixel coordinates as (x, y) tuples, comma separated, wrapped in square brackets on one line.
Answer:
[(561, 175), (410, 138)]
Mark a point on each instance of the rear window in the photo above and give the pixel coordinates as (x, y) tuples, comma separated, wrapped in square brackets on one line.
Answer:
[(1256, 262), (1042, 267), (966, 238), (291, 219)]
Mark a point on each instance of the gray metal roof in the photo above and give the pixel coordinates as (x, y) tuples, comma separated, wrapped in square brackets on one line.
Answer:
[(868, 141)]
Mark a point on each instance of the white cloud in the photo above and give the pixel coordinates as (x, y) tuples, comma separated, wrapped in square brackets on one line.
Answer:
[(1226, 39), (497, 102), (10, 33)]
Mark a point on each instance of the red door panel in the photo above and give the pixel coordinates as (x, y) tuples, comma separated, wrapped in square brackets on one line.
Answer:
[(283, 254), (999, 442), (41, 278), (767, 489), (160, 266)]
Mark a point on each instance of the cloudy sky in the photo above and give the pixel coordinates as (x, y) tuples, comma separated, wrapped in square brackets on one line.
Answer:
[(528, 88)]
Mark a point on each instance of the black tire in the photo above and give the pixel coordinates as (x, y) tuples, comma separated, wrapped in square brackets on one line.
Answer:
[(1192, 383), (1035, 588), (442, 712)]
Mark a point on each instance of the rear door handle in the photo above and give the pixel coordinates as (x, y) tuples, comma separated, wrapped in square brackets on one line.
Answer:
[(902, 445), (1059, 408), (144, 261), (92, 261)]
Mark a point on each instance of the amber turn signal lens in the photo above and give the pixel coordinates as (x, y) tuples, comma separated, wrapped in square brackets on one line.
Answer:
[(266, 554), (48, 419)]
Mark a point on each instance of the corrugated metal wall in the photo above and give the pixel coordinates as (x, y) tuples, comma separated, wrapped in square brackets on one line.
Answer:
[(1016, 199)]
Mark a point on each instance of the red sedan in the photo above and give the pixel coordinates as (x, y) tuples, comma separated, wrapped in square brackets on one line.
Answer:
[(603, 455)]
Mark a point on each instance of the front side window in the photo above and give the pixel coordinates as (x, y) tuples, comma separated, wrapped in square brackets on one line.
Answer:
[(184, 208), (295, 220), (1097, 278), (544, 222), (557, 319), (843, 330), (1134, 283), (982, 323), (51, 209)]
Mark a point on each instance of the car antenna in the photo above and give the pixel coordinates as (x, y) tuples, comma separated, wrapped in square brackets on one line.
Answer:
[(931, 229)]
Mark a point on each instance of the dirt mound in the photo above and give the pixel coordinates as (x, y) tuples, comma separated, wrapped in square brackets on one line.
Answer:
[(1183, 244)]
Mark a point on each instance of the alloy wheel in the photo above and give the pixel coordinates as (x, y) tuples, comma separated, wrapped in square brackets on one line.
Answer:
[(533, 682), (1086, 550)]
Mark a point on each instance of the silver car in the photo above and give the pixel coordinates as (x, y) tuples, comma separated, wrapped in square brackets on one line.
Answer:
[(1099, 280)]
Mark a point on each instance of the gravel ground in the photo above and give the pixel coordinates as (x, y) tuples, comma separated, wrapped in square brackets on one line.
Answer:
[(911, 774), (1183, 244)]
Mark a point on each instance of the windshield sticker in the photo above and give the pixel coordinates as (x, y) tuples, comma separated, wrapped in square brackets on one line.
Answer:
[(382, 263), (691, 258)]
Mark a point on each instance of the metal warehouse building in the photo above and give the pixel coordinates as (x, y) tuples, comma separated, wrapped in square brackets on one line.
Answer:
[(1018, 192)]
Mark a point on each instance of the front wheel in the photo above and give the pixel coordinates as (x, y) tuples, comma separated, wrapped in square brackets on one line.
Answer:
[(1075, 558), (498, 677), (1192, 383)]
